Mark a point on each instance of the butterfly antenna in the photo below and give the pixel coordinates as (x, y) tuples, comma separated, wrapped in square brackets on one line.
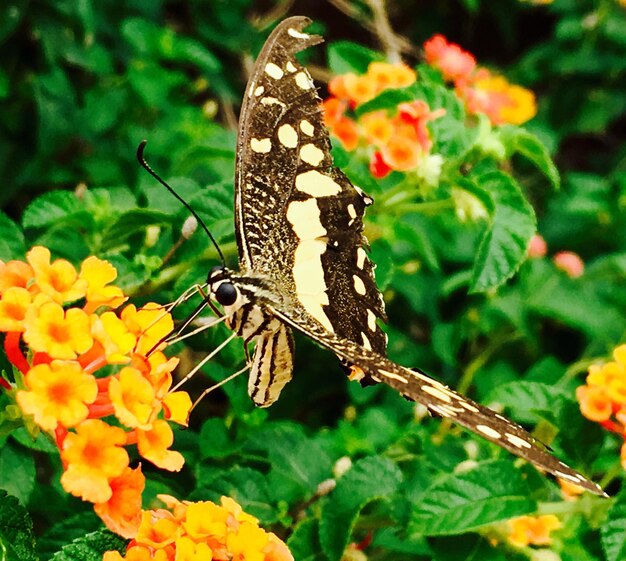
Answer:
[(146, 166)]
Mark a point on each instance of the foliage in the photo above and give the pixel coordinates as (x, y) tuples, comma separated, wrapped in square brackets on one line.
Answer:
[(81, 84)]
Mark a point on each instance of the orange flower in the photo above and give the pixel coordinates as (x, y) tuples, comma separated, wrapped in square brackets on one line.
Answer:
[(113, 334), (122, 512), (13, 306), (359, 88), (333, 110), (133, 399), (401, 153), (570, 491), (569, 262), (149, 324), (94, 456), (98, 274), (276, 549), (58, 280), (57, 394), (377, 128), (60, 334), (157, 530), (154, 446), (595, 403), (454, 62), (347, 132), (532, 530), (15, 273), (386, 75)]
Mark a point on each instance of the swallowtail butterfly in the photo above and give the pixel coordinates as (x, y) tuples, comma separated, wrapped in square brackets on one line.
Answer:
[(302, 260)]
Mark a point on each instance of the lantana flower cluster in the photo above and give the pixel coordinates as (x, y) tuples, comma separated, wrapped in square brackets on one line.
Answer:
[(188, 531), (400, 139), (482, 91), (532, 530), (87, 360), (603, 398)]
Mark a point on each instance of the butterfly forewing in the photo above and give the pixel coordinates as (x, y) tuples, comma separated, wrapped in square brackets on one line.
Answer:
[(299, 220)]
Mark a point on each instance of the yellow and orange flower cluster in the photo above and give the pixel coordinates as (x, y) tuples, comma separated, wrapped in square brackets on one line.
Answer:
[(532, 530), (201, 531), (86, 360), (603, 398), (481, 91), (401, 141)]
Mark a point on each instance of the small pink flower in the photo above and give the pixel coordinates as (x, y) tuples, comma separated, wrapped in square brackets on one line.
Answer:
[(537, 247), (569, 262)]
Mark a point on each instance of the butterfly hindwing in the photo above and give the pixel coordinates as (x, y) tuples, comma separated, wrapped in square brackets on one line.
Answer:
[(299, 220)]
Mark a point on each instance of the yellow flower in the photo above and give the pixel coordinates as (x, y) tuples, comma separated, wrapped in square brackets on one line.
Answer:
[(94, 456), (122, 512), (237, 514), (206, 520), (13, 307), (150, 324), (133, 399), (60, 334), (58, 280), (387, 75), (98, 274), (177, 406), (154, 446), (377, 127), (247, 543), (188, 550), (532, 530), (57, 394), (113, 334)]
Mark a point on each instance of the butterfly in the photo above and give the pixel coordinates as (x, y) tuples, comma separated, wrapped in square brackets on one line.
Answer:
[(303, 263)]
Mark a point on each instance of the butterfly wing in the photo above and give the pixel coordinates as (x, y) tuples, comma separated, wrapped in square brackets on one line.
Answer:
[(299, 220), (418, 386)]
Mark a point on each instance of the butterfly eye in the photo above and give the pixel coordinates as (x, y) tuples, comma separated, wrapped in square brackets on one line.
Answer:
[(226, 294)]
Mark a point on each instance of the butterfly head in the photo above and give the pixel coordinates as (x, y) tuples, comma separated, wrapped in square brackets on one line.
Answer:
[(222, 289)]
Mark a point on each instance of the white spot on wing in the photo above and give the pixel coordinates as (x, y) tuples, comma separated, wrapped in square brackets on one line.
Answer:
[(436, 392), (303, 81), (366, 341), (272, 101), (308, 273), (517, 441), (360, 257), (311, 154), (393, 376), (297, 34), (317, 184), (290, 67), (306, 127), (288, 136), (469, 406), (262, 145), (274, 71), (259, 91), (371, 320), (488, 431), (359, 286)]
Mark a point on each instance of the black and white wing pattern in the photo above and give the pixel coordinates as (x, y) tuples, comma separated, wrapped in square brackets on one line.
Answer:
[(299, 220), (302, 258)]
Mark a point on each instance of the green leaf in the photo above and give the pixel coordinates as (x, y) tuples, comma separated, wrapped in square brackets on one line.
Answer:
[(66, 530), (492, 492), (304, 542), (12, 245), (504, 244), (17, 542), (17, 471), (369, 479), (130, 223), (520, 141), (215, 439), (613, 531), (470, 548), (49, 208), (344, 57), (91, 547), (246, 486)]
